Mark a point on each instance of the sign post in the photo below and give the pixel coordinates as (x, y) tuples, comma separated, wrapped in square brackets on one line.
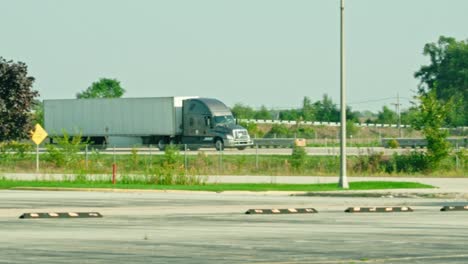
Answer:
[(37, 136)]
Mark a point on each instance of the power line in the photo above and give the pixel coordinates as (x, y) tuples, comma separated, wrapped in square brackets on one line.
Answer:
[(378, 100), (284, 107)]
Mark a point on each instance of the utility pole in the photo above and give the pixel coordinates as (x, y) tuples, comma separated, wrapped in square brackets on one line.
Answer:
[(397, 110), (343, 183)]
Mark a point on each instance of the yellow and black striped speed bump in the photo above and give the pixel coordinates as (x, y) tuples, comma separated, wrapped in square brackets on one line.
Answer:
[(60, 215), (282, 211), (378, 209), (455, 208)]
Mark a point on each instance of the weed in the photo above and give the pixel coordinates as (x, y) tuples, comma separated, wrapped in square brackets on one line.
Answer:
[(65, 151), (298, 158)]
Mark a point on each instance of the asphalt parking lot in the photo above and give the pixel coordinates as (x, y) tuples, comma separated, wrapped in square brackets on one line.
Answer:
[(190, 227)]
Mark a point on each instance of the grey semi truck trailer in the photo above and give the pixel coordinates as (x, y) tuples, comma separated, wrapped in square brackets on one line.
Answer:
[(157, 120)]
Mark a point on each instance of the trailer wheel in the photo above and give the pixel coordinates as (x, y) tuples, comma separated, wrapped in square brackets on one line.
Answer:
[(219, 144), (241, 148), (162, 144), (173, 142), (194, 147)]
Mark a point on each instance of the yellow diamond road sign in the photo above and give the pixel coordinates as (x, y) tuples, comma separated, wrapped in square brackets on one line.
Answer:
[(38, 135)]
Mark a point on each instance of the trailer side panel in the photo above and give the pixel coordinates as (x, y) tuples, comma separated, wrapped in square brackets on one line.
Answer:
[(114, 117)]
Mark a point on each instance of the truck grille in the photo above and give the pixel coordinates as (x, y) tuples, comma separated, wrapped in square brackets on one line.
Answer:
[(241, 134)]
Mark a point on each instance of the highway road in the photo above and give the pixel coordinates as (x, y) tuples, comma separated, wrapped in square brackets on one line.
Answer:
[(201, 227), (313, 151)]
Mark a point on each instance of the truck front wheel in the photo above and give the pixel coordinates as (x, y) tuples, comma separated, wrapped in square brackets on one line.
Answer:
[(219, 144), (162, 144)]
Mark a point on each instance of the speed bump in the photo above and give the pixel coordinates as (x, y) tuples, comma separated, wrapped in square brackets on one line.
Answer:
[(60, 215), (455, 208), (282, 211), (378, 209)]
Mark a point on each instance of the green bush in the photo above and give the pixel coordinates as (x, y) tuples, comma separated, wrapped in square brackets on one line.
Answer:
[(393, 144), (171, 170), (323, 165), (253, 129), (430, 119), (18, 149), (15, 155), (461, 159), (351, 128), (305, 132), (65, 151), (134, 157), (298, 157), (172, 155), (369, 163), (278, 131), (411, 163)]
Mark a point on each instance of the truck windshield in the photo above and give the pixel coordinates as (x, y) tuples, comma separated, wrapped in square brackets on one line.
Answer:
[(224, 120)]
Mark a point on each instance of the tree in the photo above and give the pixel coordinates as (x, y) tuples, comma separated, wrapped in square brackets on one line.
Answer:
[(448, 72), (278, 131), (386, 116), (307, 109), (430, 118), (38, 112), (352, 115), (16, 100), (408, 116), (104, 88), (326, 110), (292, 114), (263, 113), (242, 111)]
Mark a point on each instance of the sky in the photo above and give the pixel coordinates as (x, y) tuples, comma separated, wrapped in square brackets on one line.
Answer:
[(254, 52)]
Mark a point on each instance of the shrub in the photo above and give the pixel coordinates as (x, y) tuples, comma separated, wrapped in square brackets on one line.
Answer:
[(279, 131), (305, 132), (411, 163), (172, 155), (393, 144), (351, 128), (253, 129), (65, 152), (430, 119), (371, 163), (171, 170), (461, 159), (134, 157), (298, 157), (18, 149)]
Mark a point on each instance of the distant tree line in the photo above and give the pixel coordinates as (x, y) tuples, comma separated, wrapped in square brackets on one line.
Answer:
[(324, 110)]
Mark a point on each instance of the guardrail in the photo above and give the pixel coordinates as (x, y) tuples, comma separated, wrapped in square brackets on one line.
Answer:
[(422, 143), (316, 123), (324, 123), (273, 142)]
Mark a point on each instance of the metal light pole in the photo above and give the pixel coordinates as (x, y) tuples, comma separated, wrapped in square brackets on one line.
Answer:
[(343, 183)]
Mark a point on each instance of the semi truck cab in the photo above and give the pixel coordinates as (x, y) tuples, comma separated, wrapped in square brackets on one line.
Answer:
[(209, 121)]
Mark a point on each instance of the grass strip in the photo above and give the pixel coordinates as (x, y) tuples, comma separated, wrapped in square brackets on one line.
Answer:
[(367, 185)]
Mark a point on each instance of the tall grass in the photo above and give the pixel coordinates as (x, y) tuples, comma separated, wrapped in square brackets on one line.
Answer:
[(171, 167)]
